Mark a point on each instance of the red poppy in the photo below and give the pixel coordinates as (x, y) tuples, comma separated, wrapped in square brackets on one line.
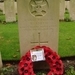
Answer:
[(52, 58)]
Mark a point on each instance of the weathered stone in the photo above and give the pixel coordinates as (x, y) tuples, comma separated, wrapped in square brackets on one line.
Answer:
[(2, 7), (67, 5), (9, 10), (38, 24), (62, 9), (72, 9), (1, 64)]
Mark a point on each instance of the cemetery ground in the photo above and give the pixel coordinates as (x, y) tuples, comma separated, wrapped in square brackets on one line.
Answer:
[(10, 50)]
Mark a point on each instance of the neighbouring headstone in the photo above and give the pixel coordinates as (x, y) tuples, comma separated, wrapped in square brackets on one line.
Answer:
[(72, 9), (9, 10), (38, 24), (2, 7), (16, 7), (62, 9), (0, 61), (67, 5)]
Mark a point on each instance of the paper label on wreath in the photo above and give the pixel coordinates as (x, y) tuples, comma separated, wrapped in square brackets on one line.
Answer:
[(37, 55)]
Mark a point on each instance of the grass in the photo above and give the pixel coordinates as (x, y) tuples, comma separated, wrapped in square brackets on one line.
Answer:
[(2, 17), (9, 40), (67, 39)]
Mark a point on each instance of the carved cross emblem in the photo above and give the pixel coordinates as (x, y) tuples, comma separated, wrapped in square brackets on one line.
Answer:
[(39, 42)]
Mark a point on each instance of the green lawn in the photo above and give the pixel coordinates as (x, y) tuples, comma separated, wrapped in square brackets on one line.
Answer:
[(2, 17), (9, 40), (67, 39)]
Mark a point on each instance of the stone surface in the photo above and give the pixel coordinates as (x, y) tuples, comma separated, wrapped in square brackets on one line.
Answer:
[(67, 5), (38, 24), (15, 7), (0, 61), (2, 7), (9, 10), (72, 9), (62, 9)]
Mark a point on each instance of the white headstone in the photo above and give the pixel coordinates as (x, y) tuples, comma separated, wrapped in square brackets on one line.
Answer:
[(72, 9), (67, 5), (38, 24), (2, 7), (62, 9), (0, 61), (16, 7), (9, 10)]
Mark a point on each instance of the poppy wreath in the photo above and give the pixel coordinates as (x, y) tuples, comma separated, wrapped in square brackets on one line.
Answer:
[(52, 58)]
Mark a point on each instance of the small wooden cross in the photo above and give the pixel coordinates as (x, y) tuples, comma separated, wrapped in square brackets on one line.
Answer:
[(40, 40)]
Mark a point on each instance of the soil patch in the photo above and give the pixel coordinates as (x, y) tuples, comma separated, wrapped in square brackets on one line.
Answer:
[(11, 67)]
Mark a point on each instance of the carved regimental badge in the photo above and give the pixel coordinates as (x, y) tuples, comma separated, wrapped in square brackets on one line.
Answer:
[(38, 8)]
